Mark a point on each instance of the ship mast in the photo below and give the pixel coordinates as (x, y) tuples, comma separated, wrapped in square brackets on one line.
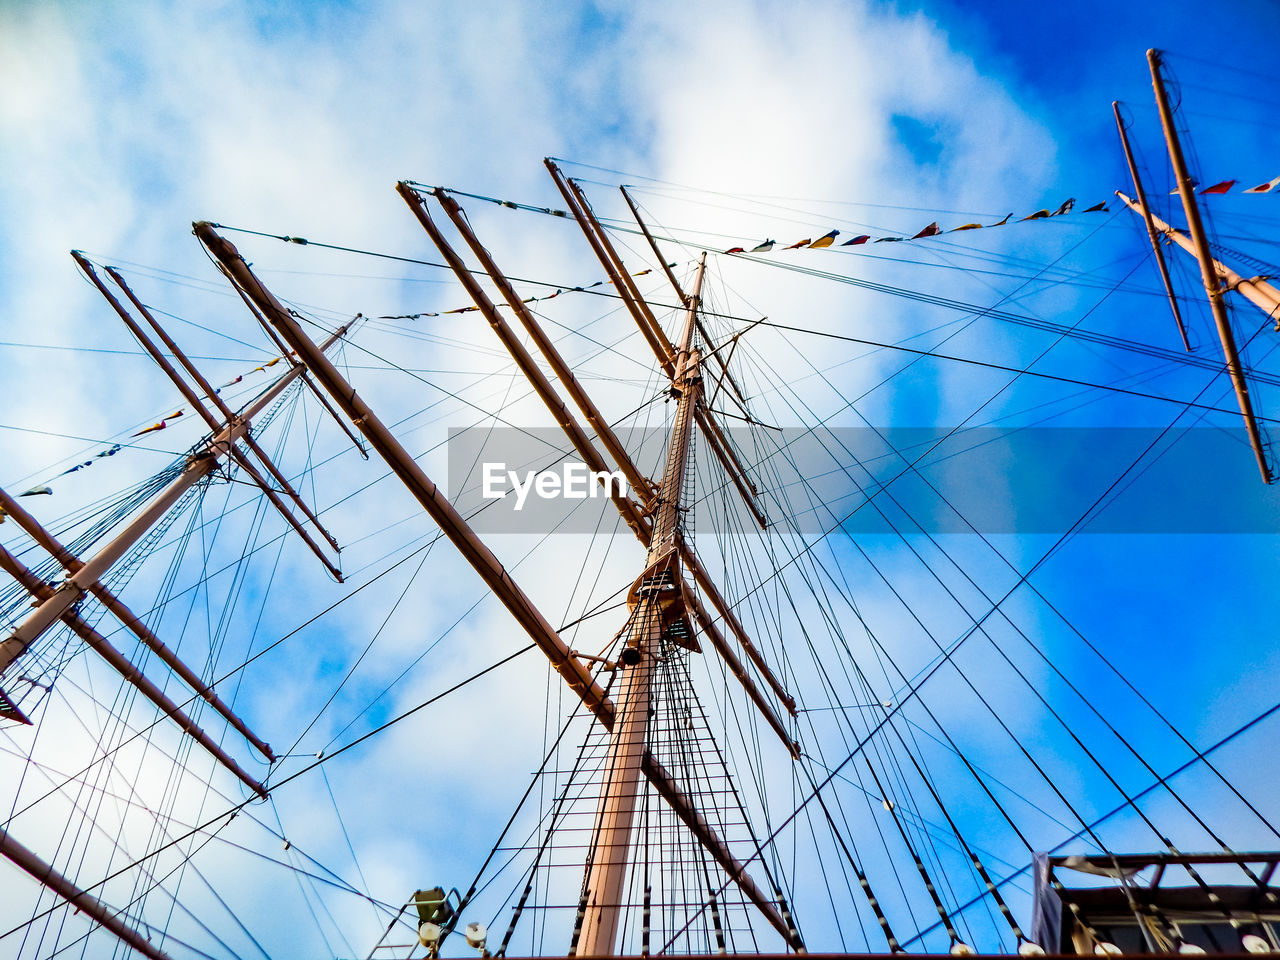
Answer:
[(1257, 290), (59, 603), (1210, 276), (1152, 235), (652, 596)]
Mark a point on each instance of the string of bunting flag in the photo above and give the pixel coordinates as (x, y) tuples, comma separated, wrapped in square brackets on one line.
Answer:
[(829, 239), (549, 296), (932, 230), (826, 240), (164, 421), (1225, 186), (44, 489)]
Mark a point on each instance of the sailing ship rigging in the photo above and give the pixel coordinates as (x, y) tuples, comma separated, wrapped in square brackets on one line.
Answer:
[(765, 731)]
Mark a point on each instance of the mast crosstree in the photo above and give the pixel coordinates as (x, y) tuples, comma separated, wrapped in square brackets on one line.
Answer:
[(658, 601), (657, 611)]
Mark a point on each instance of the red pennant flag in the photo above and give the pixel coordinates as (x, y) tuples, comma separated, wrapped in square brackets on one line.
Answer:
[(802, 243), (930, 231), (1223, 187), (862, 238), (1265, 187), (736, 250)]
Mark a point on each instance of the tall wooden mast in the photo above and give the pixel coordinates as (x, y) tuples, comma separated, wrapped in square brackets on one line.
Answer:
[(651, 596), (86, 577), (1212, 282), (672, 608), (1141, 194), (1257, 290)]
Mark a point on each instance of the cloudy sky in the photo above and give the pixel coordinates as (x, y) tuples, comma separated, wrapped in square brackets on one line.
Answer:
[(121, 124)]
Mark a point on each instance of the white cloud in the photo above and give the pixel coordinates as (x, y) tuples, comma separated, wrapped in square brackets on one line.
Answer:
[(129, 124)]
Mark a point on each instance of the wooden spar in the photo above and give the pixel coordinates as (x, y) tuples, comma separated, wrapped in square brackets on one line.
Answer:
[(719, 444), (639, 483), (88, 904), (712, 633), (132, 623), (1255, 289), (627, 759), (434, 502), (631, 512), (1151, 230), (196, 404), (706, 422), (328, 407), (413, 476), (722, 362), (293, 361), (269, 330), (227, 413), (610, 858), (1186, 188), (688, 389), (627, 280), (635, 305), (707, 586), (445, 515), (210, 393), (562, 370), (199, 466), (566, 375), (653, 245), (121, 664), (725, 375), (698, 825)]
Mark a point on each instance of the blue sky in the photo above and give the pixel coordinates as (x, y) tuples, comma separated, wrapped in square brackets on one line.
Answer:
[(124, 124)]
